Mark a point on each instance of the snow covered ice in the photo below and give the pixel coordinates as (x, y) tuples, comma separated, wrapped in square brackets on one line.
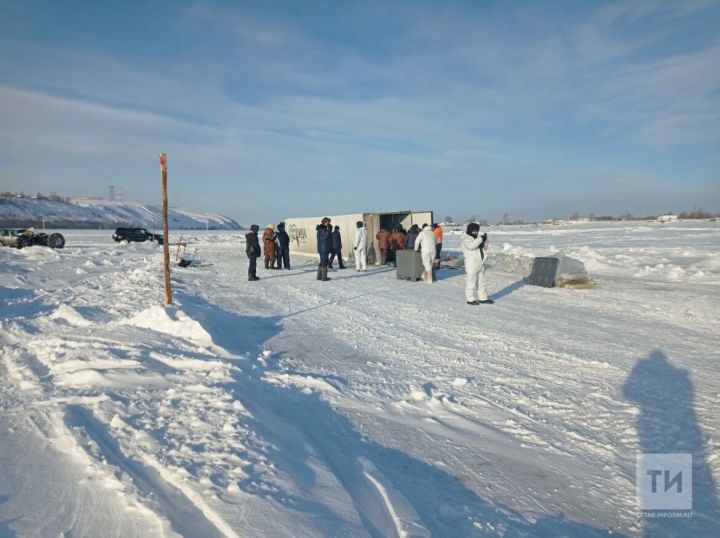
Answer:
[(364, 406)]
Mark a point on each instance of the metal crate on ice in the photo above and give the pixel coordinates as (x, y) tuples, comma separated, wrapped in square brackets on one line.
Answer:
[(543, 272), (408, 265)]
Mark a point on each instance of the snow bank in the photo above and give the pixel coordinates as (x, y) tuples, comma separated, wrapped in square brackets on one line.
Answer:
[(655, 253), (94, 213), (508, 259), (171, 321), (70, 316)]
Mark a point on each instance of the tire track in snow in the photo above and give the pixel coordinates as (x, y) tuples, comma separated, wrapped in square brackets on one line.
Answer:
[(345, 313), (496, 343), (189, 517), (383, 509), (184, 509)]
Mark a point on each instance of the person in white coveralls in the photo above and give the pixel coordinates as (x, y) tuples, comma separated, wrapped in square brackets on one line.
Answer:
[(425, 243), (360, 247), (474, 251)]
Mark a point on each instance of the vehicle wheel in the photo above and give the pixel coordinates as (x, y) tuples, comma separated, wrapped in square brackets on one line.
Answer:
[(21, 242), (56, 241)]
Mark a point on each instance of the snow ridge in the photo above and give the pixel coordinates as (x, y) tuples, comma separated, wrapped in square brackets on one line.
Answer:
[(101, 213)]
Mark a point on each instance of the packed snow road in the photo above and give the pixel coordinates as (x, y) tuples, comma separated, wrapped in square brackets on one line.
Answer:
[(361, 406)]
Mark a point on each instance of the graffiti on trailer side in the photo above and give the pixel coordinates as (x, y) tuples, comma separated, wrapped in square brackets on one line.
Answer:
[(299, 235)]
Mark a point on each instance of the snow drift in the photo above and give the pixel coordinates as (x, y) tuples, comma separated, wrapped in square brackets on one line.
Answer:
[(100, 213)]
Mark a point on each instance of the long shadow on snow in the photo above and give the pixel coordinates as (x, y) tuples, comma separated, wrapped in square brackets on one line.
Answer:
[(281, 273), (446, 273), (240, 335), (233, 332), (445, 506), (507, 290), (303, 427), (339, 301), (668, 424), (185, 518), (5, 531), (22, 306), (21, 302), (363, 274)]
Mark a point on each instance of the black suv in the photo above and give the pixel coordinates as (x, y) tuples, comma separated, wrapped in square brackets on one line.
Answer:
[(136, 234)]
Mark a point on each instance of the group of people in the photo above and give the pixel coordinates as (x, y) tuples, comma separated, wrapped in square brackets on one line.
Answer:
[(426, 240), (276, 246), (390, 242), (329, 247)]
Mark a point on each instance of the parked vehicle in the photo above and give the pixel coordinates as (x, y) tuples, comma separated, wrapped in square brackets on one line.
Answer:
[(19, 238), (136, 234)]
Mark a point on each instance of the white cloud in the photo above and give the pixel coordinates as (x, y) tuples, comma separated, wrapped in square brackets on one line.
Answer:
[(450, 96)]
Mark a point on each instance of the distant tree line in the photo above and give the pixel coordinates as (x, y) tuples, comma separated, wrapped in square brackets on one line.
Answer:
[(577, 216), (52, 197), (695, 214)]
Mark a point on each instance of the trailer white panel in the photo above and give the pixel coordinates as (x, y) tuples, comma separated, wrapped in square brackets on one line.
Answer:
[(303, 236)]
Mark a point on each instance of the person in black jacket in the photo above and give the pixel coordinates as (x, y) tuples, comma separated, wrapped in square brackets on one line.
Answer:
[(283, 251), (411, 236), (252, 249), (336, 248), (324, 247)]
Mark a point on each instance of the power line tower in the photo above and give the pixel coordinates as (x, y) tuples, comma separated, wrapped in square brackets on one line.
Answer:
[(111, 189)]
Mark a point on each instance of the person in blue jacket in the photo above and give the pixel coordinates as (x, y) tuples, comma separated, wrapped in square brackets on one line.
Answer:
[(337, 248), (411, 236), (324, 247)]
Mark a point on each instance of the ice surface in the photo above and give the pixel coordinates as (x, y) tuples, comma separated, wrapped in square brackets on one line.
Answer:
[(363, 406)]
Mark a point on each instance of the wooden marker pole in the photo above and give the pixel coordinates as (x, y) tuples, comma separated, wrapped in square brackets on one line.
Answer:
[(166, 243)]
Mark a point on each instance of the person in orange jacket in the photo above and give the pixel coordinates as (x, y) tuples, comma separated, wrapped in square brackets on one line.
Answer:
[(438, 231), (383, 239), (269, 246), (398, 239)]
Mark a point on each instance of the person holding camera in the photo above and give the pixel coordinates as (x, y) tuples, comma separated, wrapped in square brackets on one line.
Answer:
[(474, 252)]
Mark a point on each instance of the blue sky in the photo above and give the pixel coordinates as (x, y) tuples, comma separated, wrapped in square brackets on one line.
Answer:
[(272, 109)]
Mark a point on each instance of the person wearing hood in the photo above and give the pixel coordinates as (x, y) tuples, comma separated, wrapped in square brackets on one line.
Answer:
[(411, 236), (474, 252), (252, 249), (283, 241), (269, 246), (425, 243), (336, 248), (360, 247), (324, 247)]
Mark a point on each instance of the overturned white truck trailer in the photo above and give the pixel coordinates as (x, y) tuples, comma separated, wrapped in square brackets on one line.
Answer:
[(303, 239)]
